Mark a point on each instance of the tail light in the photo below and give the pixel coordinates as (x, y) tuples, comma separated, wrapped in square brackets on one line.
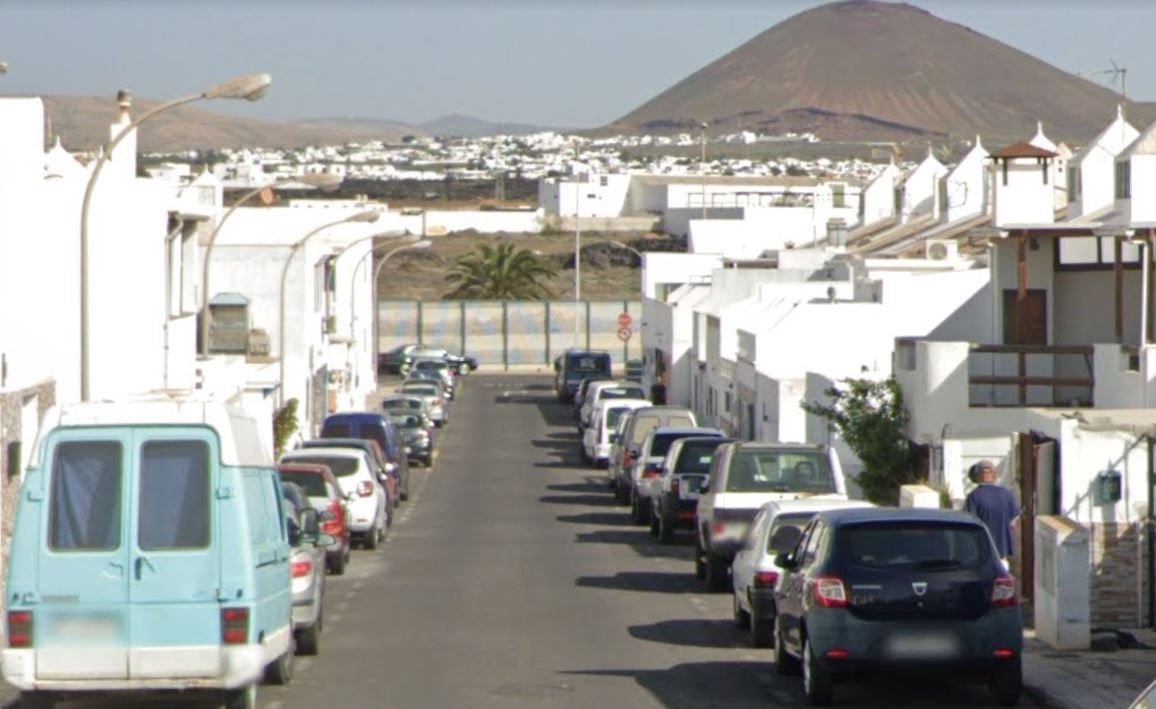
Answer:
[(365, 488), (235, 626), (837, 653), (1004, 653), (766, 579), (437, 402), (829, 592), (718, 529), (333, 526), (1003, 593), (652, 470), (628, 460), (19, 628), (301, 569)]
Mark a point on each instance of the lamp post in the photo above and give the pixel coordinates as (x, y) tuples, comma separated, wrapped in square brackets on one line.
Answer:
[(323, 181), (399, 237), (702, 164), (577, 258), (366, 217), (249, 87), (423, 244)]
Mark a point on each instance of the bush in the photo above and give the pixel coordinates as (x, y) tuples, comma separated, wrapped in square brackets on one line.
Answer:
[(284, 424), (871, 418)]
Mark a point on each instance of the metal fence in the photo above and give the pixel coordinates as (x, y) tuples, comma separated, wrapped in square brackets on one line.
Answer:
[(511, 333)]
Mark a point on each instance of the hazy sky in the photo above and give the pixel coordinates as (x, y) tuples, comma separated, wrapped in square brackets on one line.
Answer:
[(566, 63)]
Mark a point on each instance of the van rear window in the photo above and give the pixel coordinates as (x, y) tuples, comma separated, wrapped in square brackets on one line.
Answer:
[(174, 495), (761, 470), (85, 507), (337, 429)]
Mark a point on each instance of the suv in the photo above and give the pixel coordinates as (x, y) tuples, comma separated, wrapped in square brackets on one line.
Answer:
[(596, 446), (648, 466), (630, 441), (600, 391), (743, 477), (889, 589), (675, 495), (359, 482)]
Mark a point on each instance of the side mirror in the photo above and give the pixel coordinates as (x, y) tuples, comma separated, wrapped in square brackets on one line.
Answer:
[(392, 468), (785, 561)]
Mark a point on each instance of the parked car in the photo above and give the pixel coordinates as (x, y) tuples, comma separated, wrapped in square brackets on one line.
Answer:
[(642, 422), (306, 567), (775, 530), (573, 365), (399, 359), (743, 477), (648, 467), (417, 433), (675, 491), (885, 590), (605, 389), (380, 465), (121, 506), (441, 369), (374, 427), (324, 492), (433, 376), (596, 443), (357, 473), (580, 394), (404, 402), (432, 393), (617, 447)]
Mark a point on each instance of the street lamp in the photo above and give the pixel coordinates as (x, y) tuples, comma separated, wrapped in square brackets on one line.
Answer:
[(249, 87), (423, 244), (322, 181), (366, 217), (399, 237)]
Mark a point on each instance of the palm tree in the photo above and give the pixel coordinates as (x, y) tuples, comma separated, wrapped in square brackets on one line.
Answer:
[(499, 273)]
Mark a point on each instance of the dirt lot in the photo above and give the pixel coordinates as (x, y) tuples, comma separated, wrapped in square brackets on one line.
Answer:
[(608, 272)]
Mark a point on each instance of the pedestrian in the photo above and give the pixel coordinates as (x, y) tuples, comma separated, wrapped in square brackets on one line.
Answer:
[(996, 507)]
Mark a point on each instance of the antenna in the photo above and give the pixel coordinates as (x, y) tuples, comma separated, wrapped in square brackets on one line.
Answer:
[(1116, 74)]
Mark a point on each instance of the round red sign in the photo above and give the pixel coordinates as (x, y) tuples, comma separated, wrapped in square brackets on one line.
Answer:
[(624, 333), (624, 320)]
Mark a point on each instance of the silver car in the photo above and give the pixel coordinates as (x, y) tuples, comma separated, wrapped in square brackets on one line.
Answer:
[(432, 393), (307, 567)]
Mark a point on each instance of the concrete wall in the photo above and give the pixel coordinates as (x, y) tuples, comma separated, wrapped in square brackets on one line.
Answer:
[(1026, 198), (674, 269)]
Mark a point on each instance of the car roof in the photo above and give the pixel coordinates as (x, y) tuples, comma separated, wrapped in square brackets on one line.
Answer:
[(631, 403), (662, 410), (311, 468), (703, 431), (335, 451), (359, 416), (896, 514), (765, 445)]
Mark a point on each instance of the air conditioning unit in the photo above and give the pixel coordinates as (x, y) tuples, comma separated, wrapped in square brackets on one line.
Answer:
[(259, 343), (940, 249)]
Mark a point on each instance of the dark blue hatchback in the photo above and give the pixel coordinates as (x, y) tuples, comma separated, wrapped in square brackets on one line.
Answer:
[(888, 589), (374, 427)]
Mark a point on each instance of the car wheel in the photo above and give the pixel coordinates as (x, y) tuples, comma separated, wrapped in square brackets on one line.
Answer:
[(1006, 684), (37, 700), (665, 531), (429, 460), (337, 566), (280, 671), (620, 492), (636, 511), (762, 630), (582, 454), (699, 566), (742, 618), (653, 524), (241, 698), (784, 663), (817, 682), (309, 639), (716, 572), (369, 541)]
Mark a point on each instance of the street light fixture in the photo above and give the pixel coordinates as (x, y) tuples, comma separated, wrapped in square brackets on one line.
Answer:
[(320, 180), (366, 217), (249, 87), (423, 244), (397, 237)]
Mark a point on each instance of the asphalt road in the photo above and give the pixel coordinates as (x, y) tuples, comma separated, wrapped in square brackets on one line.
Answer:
[(510, 579)]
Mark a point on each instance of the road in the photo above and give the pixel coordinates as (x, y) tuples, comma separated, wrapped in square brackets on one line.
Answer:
[(510, 579)]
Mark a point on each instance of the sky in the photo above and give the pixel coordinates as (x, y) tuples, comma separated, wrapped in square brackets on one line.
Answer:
[(558, 63)]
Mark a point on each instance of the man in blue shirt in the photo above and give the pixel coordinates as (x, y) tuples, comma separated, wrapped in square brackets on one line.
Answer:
[(995, 506)]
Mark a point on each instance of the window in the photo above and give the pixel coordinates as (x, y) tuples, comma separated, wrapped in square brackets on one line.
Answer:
[(781, 542), (1123, 179), (174, 509), (85, 496), (925, 546), (255, 510), (604, 181), (312, 483), (1074, 191), (838, 195), (339, 465), (769, 470)]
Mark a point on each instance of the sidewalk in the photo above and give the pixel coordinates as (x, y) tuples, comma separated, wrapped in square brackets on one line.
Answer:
[(1079, 679)]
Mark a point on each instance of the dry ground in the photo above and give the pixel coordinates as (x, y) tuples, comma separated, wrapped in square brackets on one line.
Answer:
[(421, 274)]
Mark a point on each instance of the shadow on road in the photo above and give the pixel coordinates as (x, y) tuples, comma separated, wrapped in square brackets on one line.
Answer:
[(736, 685), (610, 519), (692, 632), (643, 581), (587, 500), (592, 484)]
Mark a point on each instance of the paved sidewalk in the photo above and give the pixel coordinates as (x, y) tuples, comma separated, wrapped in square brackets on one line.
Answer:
[(1083, 679)]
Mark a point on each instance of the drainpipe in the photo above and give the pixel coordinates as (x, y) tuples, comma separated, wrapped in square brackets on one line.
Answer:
[(169, 238)]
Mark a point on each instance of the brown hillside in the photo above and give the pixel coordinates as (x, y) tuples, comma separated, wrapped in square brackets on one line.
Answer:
[(877, 70), (82, 124)]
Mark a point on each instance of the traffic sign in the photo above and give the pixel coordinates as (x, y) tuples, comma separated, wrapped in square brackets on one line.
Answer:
[(624, 320), (624, 333)]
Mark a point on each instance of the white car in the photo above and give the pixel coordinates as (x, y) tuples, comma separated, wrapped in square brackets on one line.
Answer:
[(775, 530), (365, 495), (648, 466), (602, 422), (434, 396), (610, 389)]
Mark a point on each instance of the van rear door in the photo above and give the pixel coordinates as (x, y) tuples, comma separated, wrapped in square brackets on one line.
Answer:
[(174, 570), (82, 626)]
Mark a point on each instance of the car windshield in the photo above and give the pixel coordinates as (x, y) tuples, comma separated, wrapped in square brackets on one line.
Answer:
[(423, 389), (340, 465), (612, 416), (924, 545), (696, 457), (402, 404), (312, 483), (770, 470), (660, 446), (622, 393)]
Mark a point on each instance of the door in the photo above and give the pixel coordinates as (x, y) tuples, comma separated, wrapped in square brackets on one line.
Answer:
[(1035, 317), (80, 606), (174, 570), (1038, 496)]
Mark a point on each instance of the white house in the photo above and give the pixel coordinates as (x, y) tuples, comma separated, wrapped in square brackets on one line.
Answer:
[(1091, 171)]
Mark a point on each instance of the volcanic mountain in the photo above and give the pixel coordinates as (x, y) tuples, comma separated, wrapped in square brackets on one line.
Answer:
[(877, 70)]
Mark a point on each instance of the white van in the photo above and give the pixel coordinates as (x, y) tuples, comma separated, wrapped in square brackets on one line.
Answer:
[(150, 553), (603, 419)]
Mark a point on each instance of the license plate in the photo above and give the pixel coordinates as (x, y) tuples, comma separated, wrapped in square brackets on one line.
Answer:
[(917, 646), (85, 627), (689, 487)]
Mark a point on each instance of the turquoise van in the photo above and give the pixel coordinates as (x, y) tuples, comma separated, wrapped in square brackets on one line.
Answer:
[(149, 554)]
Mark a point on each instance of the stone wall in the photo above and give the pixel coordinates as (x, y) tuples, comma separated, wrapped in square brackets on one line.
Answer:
[(1120, 575)]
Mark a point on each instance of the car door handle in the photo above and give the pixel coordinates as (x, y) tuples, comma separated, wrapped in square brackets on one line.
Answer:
[(139, 564)]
